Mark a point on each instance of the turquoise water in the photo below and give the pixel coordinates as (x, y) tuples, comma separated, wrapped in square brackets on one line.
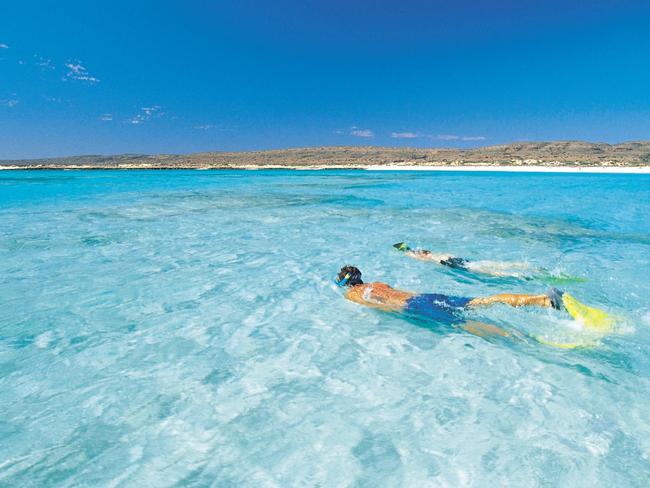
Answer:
[(182, 329)]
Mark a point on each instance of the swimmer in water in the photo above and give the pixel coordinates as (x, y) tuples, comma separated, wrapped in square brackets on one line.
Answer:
[(436, 307), (492, 268)]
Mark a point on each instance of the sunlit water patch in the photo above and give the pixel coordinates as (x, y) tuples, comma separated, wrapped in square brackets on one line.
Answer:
[(182, 328)]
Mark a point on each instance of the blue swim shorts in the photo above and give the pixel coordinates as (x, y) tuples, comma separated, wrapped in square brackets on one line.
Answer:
[(439, 308)]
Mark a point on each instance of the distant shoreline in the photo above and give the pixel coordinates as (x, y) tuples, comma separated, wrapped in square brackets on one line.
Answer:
[(556, 157), (371, 167)]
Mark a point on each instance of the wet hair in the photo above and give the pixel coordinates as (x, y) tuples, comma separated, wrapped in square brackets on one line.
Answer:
[(355, 275)]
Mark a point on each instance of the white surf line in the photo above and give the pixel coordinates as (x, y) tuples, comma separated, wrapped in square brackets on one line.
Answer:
[(519, 169)]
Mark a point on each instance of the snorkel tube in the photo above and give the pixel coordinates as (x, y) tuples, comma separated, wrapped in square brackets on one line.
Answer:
[(343, 281)]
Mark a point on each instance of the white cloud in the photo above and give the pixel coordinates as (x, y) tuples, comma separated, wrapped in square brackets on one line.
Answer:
[(146, 114), (11, 103), (359, 132), (106, 117), (362, 132), (355, 131), (3, 46), (43, 63), (149, 111), (77, 71), (404, 135), (137, 119), (204, 127), (453, 137)]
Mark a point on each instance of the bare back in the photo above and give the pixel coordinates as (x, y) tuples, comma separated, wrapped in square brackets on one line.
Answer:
[(379, 295)]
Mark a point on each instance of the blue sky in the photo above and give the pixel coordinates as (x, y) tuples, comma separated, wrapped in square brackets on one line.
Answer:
[(83, 77)]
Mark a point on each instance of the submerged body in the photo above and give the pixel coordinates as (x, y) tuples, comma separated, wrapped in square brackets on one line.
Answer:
[(432, 306), (499, 269), (492, 268), (451, 309), (383, 296)]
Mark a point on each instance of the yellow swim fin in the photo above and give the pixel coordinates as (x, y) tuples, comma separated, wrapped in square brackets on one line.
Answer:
[(592, 318)]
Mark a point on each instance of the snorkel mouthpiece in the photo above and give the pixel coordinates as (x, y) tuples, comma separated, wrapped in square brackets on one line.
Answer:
[(343, 281), (401, 246)]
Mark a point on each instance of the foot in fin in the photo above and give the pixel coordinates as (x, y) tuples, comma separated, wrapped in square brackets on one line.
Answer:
[(592, 318), (401, 246)]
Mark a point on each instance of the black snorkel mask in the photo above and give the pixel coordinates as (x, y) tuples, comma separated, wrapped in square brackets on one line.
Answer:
[(349, 276)]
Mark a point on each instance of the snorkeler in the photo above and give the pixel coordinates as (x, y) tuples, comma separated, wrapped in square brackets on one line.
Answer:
[(491, 268), (447, 309), (494, 268)]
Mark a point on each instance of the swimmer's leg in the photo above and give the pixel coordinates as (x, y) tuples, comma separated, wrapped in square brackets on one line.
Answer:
[(501, 269), (484, 330), (513, 300), (592, 318)]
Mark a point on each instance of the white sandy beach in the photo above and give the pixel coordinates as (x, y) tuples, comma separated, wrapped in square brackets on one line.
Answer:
[(519, 169), (396, 167)]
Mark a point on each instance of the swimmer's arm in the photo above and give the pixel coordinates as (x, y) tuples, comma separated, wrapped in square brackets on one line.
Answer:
[(513, 300)]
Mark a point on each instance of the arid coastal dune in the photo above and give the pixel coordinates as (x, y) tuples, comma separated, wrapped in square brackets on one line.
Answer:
[(521, 154)]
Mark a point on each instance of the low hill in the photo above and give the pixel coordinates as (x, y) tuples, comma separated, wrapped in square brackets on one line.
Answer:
[(564, 153)]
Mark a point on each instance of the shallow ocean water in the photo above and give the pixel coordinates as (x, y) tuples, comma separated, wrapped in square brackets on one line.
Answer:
[(181, 328)]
